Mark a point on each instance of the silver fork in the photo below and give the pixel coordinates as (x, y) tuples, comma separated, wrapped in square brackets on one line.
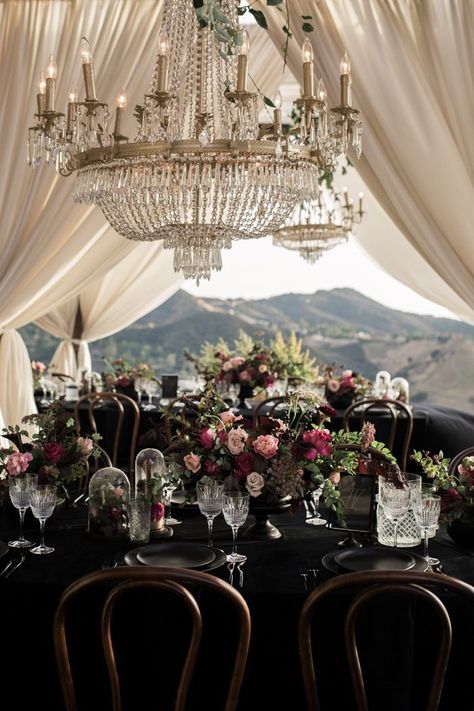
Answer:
[(231, 568), (241, 573)]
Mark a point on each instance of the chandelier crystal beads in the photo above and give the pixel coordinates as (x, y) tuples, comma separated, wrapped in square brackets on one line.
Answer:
[(200, 171)]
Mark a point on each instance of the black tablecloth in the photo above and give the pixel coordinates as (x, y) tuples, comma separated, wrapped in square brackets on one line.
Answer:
[(275, 593)]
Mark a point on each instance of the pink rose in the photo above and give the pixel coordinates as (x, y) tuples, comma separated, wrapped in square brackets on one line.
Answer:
[(332, 385), (320, 440), (53, 451), (206, 437), (227, 366), (192, 462), (237, 361), (347, 382), (38, 366), (244, 464), (86, 445), (262, 368), (266, 446), (228, 418), (236, 440), (335, 477), (244, 376), (254, 484), (211, 468), (310, 454), (18, 462), (347, 373)]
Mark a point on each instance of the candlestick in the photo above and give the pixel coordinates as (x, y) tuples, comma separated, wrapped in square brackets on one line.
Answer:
[(51, 74), (242, 51), (88, 70), (346, 197), (277, 126), (121, 103), (40, 96), (345, 72), (308, 77), (71, 111), (361, 195), (163, 49)]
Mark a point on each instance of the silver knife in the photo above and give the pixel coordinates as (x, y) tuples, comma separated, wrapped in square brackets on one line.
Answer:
[(8, 566), (16, 565)]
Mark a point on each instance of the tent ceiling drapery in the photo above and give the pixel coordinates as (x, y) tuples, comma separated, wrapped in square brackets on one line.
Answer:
[(412, 81), (54, 252)]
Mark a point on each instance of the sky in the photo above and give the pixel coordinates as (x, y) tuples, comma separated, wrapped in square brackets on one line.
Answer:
[(255, 269)]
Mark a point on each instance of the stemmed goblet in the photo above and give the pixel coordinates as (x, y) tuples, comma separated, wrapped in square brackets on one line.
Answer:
[(427, 509), (235, 510), (43, 501), (395, 501), (210, 498), (316, 519), (169, 486), (20, 494)]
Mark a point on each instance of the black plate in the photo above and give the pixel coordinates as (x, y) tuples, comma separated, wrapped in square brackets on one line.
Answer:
[(176, 555), (131, 558), (374, 559), (164, 532), (3, 548), (331, 565)]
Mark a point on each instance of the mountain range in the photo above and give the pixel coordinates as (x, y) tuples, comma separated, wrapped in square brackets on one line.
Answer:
[(339, 326)]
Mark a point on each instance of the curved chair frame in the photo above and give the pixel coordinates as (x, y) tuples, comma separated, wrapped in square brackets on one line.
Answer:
[(96, 399), (374, 583), (172, 580), (394, 408), (456, 461)]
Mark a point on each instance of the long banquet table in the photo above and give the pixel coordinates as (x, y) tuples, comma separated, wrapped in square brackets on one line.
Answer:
[(274, 590)]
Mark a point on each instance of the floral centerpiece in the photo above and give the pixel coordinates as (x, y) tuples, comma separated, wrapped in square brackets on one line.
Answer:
[(54, 451), (121, 375), (456, 489), (38, 369), (343, 387), (278, 458)]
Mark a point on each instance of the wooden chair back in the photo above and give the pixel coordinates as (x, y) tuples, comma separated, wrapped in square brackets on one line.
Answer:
[(373, 584), (456, 461), (95, 400), (398, 411), (157, 579), (79, 488)]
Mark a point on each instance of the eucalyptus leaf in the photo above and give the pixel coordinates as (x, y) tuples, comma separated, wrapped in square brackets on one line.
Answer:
[(274, 2), (307, 27), (259, 17), (268, 102)]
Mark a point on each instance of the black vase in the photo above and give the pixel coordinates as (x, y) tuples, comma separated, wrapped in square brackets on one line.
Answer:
[(261, 509), (462, 532), (246, 391)]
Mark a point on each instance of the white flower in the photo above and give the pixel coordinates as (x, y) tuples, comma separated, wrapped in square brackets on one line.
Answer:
[(254, 484)]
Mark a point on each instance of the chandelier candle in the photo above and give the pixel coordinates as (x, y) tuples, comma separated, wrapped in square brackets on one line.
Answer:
[(308, 64), (163, 49), (51, 74), (345, 71), (71, 111), (88, 70), (40, 96), (121, 103), (242, 66), (277, 127)]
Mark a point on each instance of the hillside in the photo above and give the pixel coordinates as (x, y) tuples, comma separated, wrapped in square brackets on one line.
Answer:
[(342, 326)]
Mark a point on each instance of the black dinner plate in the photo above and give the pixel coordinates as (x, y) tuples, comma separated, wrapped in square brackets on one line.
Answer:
[(330, 564), (218, 557), (176, 555), (3, 548), (357, 559)]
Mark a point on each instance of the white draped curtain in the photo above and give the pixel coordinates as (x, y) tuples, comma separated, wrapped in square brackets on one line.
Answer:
[(413, 82), (53, 249)]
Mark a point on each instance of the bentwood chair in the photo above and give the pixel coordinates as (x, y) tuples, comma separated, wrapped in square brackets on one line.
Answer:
[(78, 489), (389, 599), (119, 403), (116, 587), (456, 461), (399, 414)]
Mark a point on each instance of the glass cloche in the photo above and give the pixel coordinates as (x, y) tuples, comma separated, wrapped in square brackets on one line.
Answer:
[(109, 492)]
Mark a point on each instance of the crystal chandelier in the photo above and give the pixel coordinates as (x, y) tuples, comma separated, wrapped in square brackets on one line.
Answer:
[(200, 171), (320, 225)]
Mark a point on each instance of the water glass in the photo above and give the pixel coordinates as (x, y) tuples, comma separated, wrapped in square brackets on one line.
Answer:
[(19, 488), (395, 500), (427, 510), (316, 519), (42, 502), (210, 498), (139, 511), (235, 510)]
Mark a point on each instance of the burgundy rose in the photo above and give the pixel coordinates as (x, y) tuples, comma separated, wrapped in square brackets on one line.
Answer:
[(53, 451), (211, 468), (320, 440), (310, 454), (123, 382), (157, 511), (244, 463), (328, 410), (206, 438)]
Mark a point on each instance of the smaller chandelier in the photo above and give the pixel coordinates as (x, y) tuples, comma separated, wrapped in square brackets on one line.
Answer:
[(319, 225)]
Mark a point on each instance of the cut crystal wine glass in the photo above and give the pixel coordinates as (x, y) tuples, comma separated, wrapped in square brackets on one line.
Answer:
[(427, 509), (210, 498), (235, 510), (43, 501), (316, 519), (19, 488)]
